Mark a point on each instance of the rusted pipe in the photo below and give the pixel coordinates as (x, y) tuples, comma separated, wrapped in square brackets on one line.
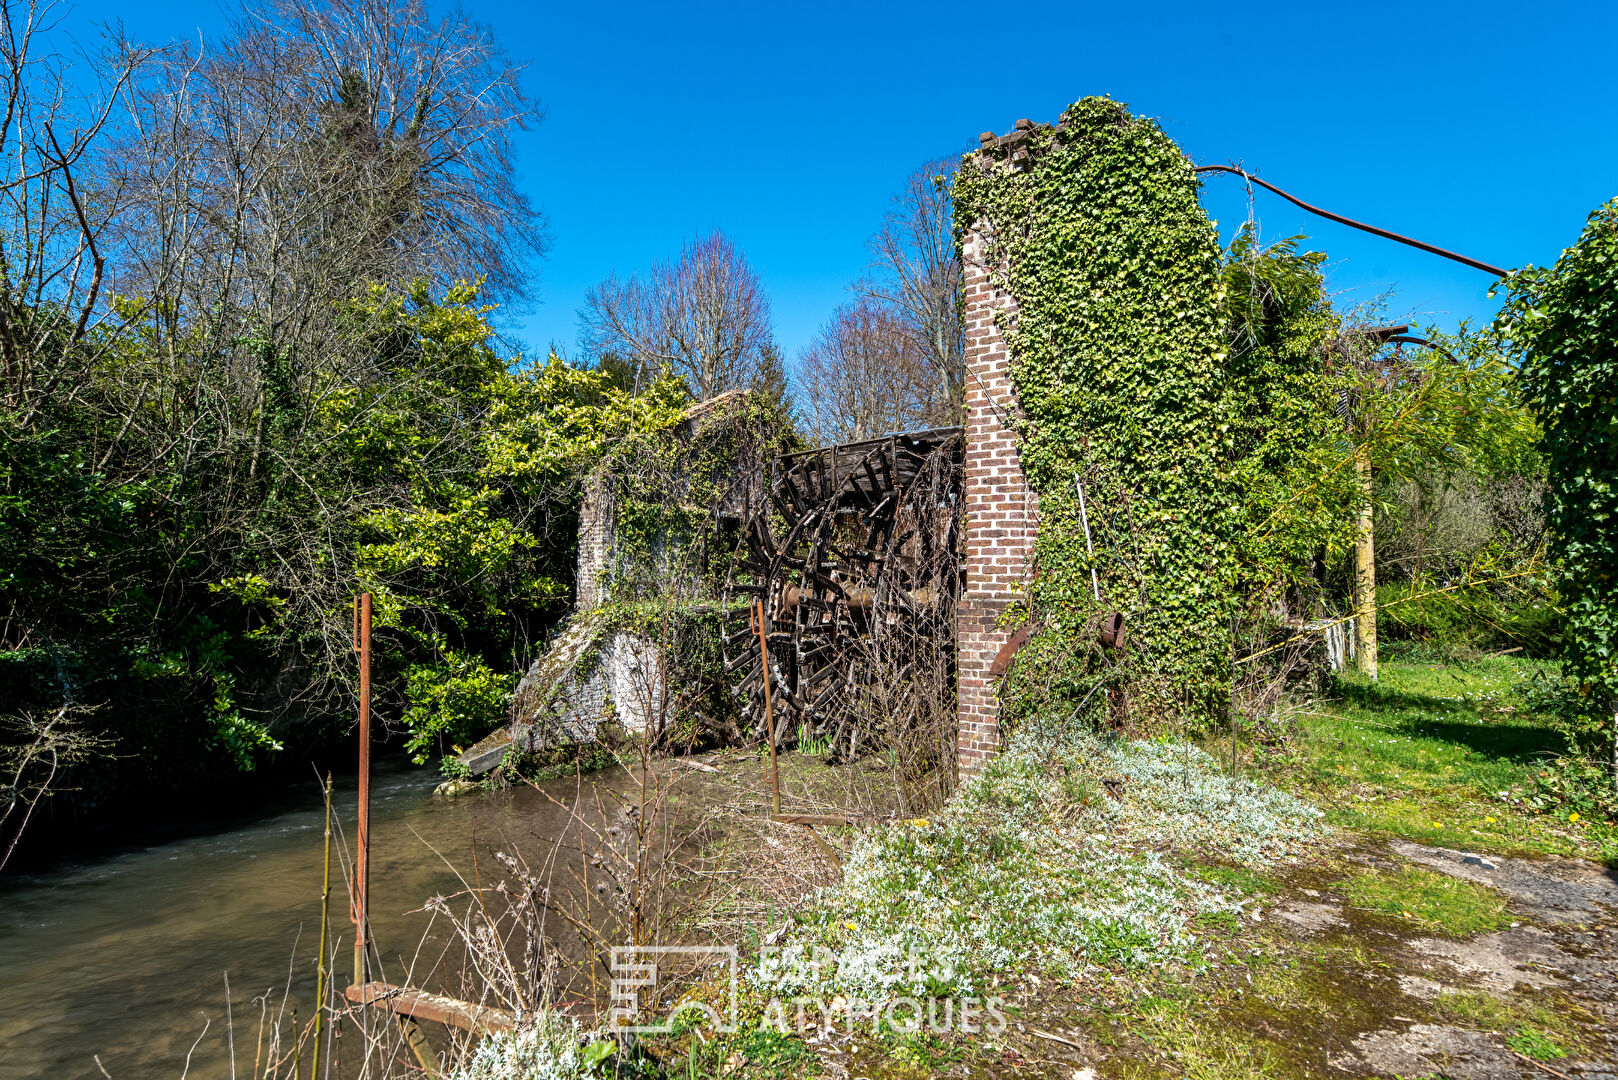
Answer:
[(1431, 249), (769, 716)]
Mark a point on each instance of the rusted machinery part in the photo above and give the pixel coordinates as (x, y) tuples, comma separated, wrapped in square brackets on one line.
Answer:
[(869, 560), (1386, 234)]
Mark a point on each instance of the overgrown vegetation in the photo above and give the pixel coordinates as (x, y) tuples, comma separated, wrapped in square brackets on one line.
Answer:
[(1454, 755), (1034, 867), (1117, 359), (1232, 433), (1563, 320)]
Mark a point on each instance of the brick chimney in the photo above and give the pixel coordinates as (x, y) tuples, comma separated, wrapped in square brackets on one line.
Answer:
[(1002, 514)]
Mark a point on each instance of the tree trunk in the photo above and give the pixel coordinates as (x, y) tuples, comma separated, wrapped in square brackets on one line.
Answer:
[(1365, 571)]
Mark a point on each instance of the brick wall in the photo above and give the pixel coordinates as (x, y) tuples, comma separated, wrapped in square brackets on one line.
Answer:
[(1002, 514)]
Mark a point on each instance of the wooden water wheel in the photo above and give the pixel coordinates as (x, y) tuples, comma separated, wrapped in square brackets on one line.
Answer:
[(856, 559)]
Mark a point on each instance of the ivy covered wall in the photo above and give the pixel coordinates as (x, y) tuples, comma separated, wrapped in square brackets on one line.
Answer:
[(1117, 356)]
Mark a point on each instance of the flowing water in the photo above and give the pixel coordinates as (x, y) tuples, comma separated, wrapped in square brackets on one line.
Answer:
[(124, 957)]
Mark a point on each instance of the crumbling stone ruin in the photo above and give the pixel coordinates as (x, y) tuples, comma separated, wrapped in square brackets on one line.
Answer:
[(596, 669)]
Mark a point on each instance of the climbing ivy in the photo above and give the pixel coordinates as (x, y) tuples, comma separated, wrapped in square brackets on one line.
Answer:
[(1287, 444), (1118, 356), (1564, 322), (677, 490)]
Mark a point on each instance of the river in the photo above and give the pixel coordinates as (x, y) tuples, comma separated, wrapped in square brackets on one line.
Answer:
[(124, 956)]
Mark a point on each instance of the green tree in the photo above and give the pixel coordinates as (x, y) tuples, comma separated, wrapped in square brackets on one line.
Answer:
[(1564, 322)]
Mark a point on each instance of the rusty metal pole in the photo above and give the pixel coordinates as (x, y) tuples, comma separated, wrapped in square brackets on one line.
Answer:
[(362, 857), (769, 716)]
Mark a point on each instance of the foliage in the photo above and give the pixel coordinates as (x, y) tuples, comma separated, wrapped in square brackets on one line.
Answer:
[(1117, 361), (213, 610), (451, 699), (1563, 320), (1464, 622), (1286, 443), (1531, 1042), (675, 486), (192, 472), (1569, 779), (1216, 410)]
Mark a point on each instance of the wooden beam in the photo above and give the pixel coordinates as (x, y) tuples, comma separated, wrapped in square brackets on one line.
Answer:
[(829, 819), (421, 1005)]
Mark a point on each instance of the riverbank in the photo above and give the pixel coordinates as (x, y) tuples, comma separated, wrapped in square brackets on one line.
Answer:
[(1374, 895)]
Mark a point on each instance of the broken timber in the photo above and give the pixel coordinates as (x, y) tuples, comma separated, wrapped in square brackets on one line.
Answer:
[(827, 819), (416, 1004), (856, 555)]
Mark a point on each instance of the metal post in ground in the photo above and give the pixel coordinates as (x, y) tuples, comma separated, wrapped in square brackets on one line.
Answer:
[(362, 856), (769, 717)]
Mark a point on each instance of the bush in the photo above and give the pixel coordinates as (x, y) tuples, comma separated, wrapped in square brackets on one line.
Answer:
[(1580, 780), (1477, 619), (456, 701)]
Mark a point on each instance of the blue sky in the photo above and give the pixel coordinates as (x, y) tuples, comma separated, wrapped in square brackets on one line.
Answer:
[(1490, 129)]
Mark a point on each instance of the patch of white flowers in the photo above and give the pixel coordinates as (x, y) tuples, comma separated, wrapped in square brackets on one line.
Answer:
[(549, 1048), (1032, 867)]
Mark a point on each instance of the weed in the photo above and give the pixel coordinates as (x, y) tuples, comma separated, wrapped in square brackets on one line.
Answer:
[(1531, 1042)]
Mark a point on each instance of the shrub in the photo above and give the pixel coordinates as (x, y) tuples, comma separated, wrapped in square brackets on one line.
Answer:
[(455, 701)]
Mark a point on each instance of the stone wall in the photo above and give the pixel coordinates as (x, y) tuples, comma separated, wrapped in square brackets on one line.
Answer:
[(596, 523), (1002, 514), (585, 677)]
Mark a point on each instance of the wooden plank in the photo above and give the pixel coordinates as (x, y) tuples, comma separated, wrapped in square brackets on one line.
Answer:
[(830, 819), (421, 1005)]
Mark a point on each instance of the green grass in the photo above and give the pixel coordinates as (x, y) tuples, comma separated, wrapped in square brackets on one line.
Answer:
[(1531, 1042), (1434, 901), (1238, 879), (1426, 753)]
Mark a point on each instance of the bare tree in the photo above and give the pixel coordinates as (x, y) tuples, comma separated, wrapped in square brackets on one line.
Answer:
[(54, 321), (865, 374), (917, 271), (706, 316), (322, 145)]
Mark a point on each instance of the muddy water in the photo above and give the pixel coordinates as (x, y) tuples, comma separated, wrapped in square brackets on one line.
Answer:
[(126, 956)]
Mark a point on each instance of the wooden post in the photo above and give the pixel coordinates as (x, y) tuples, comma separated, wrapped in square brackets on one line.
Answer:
[(769, 717), (362, 856)]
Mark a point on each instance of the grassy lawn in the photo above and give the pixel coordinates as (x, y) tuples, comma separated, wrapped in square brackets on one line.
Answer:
[(1438, 753)]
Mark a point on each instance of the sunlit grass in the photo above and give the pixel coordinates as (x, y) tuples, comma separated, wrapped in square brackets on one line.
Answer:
[(1440, 754), (1435, 902)]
